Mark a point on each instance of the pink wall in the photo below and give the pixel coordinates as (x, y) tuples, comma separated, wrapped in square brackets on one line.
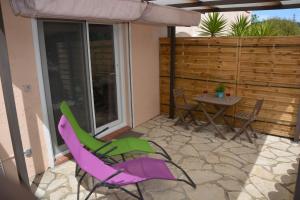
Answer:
[(19, 38), (145, 70)]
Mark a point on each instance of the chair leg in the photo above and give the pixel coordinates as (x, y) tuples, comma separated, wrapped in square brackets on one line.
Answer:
[(78, 185), (77, 170), (253, 131), (254, 135), (164, 154), (132, 194), (190, 181), (186, 126), (177, 121), (248, 136), (123, 157), (244, 127), (193, 118), (94, 188), (181, 120), (139, 191), (185, 123)]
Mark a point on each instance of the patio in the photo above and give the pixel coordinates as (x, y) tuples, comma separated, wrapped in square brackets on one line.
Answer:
[(229, 170)]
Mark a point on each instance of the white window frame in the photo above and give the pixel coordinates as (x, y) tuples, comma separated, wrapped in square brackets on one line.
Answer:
[(120, 80)]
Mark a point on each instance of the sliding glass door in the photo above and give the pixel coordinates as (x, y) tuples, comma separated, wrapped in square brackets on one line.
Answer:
[(103, 68), (79, 67)]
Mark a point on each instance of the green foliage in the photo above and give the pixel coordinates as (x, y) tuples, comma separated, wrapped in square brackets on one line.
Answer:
[(240, 26), (274, 27), (220, 88), (243, 27), (213, 25), (261, 29), (284, 27)]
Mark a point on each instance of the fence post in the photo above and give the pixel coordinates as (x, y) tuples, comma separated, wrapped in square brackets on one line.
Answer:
[(297, 131), (172, 36)]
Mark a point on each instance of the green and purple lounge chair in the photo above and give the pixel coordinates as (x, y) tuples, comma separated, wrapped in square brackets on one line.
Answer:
[(118, 147), (118, 175)]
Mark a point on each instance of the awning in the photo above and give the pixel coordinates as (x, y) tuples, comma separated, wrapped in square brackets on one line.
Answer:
[(159, 14), (100, 10), (205, 6), (118, 10)]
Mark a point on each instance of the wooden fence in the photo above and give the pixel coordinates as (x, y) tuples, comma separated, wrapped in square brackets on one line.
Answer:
[(102, 56), (252, 68)]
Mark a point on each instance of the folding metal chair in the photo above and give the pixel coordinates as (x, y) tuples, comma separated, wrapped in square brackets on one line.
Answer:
[(248, 119), (185, 110)]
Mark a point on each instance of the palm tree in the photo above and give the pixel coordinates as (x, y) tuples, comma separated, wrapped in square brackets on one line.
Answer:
[(213, 25), (240, 26)]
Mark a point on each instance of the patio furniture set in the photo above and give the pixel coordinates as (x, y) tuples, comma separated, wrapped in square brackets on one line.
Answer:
[(221, 105), (106, 161)]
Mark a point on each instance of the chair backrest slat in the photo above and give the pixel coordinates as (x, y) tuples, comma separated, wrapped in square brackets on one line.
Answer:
[(179, 94), (257, 108)]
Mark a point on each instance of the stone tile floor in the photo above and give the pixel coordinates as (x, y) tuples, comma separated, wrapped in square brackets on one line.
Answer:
[(222, 170)]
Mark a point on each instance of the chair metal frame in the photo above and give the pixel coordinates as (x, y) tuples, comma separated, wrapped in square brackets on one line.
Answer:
[(110, 160), (104, 183)]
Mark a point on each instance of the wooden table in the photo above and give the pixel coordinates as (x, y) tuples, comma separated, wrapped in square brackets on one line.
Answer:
[(221, 104)]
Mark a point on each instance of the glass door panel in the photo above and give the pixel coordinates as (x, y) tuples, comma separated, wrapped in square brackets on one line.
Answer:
[(104, 84), (66, 69)]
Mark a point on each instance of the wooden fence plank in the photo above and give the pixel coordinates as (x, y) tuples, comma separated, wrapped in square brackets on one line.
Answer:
[(252, 68)]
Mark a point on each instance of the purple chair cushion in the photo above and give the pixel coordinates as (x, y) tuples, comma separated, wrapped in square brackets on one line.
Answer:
[(135, 170), (148, 168)]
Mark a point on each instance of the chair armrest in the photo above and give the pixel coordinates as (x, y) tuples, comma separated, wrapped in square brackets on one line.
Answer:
[(113, 175), (101, 147), (103, 155), (105, 129)]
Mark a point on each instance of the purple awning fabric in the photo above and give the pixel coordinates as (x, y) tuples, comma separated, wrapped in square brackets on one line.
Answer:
[(106, 10)]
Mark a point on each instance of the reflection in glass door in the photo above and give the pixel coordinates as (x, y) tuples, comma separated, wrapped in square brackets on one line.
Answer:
[(66, 72), (103, 68)]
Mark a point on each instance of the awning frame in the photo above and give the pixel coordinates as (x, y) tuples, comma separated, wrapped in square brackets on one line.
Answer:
[(230, 5)]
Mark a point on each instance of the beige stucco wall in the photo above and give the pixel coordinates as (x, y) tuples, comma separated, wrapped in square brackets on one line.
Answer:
[(21, 52), (145, 70)]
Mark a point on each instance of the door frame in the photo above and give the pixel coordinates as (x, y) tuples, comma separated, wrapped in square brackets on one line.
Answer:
[(118, 53), (41, 82)]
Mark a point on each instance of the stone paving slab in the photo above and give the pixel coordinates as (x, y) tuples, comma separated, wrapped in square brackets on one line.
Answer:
[(222, 170)]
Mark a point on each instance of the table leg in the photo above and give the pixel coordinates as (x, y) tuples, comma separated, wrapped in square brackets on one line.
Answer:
[(208, 123), (223, 117), (210, 119)]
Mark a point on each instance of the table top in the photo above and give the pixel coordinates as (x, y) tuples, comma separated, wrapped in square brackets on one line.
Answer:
[(211, 99)]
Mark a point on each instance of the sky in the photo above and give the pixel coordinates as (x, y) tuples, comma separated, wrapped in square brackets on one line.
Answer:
[(285, 13)]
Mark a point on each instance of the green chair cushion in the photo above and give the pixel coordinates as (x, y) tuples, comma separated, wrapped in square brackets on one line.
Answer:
[(124, 145)]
